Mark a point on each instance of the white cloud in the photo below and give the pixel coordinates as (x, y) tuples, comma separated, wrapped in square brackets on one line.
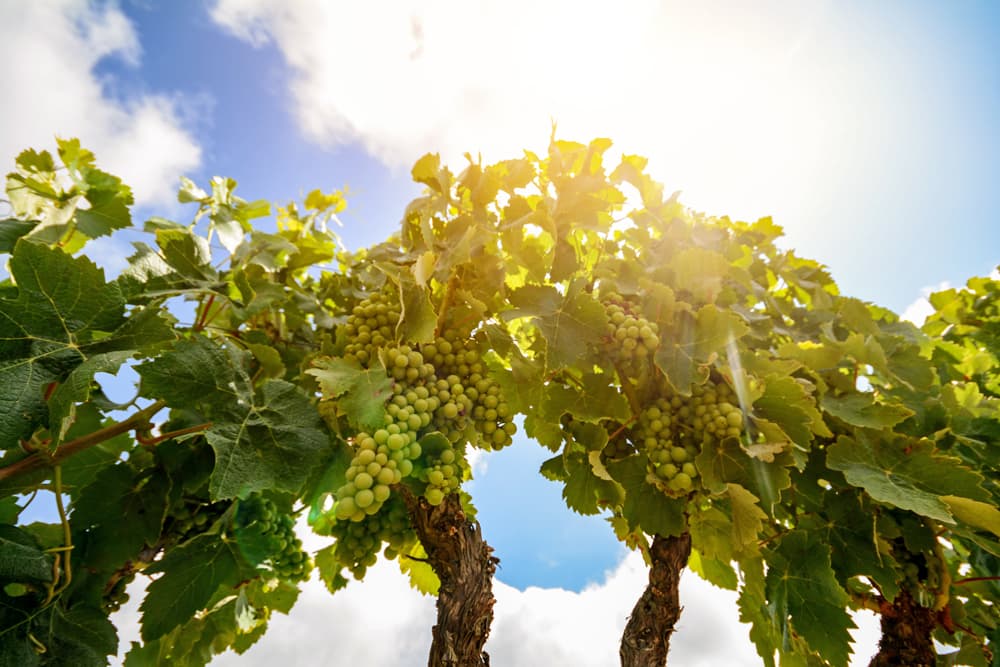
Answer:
[(713, 92), (921, 308), (50, 50), (382, 622)]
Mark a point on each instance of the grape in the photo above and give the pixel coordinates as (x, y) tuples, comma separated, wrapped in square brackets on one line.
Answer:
[(672, 429), (358, 543), (259, 521), (630, 337), (443, 475), (372, 325)]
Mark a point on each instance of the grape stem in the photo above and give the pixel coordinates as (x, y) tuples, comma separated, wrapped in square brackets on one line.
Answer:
[(45, 460)]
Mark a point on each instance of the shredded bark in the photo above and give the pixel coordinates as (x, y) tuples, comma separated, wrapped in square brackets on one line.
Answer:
[(906, 634), (465, 564), (646, 639)]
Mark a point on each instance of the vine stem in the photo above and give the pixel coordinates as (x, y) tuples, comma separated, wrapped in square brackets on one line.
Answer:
[(68, 449), (449, 295), (203, 317), (152, 442), (970, 580), (63, 557)]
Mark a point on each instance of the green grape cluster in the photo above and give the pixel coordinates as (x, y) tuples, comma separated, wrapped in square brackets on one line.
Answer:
[(444, 475), (358, 542), (115, 594), (328, 413), (630, 337), (189, 517), (673, 429), (259, 516), (472, 408), (372, 325)]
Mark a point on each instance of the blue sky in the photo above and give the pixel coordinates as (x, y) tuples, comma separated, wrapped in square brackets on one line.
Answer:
[(868, 130)]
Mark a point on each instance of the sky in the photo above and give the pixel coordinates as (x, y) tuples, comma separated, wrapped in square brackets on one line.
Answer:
[(867, 130)]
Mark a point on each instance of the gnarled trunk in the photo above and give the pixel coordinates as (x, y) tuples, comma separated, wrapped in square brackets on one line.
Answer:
[(906, 634), (465, 564), (646, 639)]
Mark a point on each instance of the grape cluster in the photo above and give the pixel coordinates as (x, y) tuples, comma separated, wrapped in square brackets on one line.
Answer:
[(358, 542), (440, 386), (259, 517), (472, 405), (443, 476), (672, 430), (188, 517), (371, 325), (630, 337), (115, 594)]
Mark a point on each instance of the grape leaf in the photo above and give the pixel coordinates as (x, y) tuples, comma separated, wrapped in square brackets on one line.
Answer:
[(330, 569), (905, 472), (274, 444), (62, 308), (124, 512), (584, 492), (198, 374), (723, 462), (362, 393), (715, 572), (862, 410), (752, 603), (688, 346), (417, 319), (20, 558), (786, 403), (570, 323), (974, 513), (803, 594), (192, 573), (421, 575), (848, 525), (646, 507), (747, 518), (593, 401)]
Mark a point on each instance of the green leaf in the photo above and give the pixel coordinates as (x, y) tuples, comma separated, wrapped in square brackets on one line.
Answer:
[(330, 569), (63, 313), (976, 514), (904, 472), (585, 492), (699, 272), (124, 511), (862, 410), (421, 574), (715, 572), (747, 519), (722, 463), (362, 393), (593, 401), (692, 343), (20, 558), (198, 374), (418, 318), (848, 524), (11, 230), (805, 598), (571, 324), (786, 403), (274, 444), (77, 387), (192, 573), (646, 507)]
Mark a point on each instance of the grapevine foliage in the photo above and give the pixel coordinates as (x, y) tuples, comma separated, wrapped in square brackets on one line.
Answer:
[(688, 374)]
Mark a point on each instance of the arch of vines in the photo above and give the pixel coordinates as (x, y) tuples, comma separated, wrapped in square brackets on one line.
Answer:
[(711, 394)]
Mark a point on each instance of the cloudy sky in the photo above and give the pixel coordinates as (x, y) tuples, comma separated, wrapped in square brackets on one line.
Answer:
[(868, 130)]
